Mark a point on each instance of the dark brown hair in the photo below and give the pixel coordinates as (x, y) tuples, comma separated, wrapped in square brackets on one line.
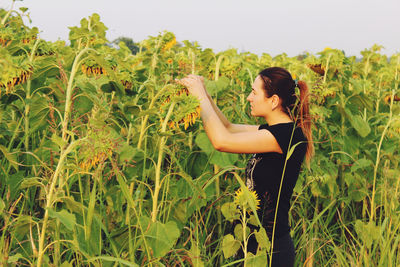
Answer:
[(278, 81)]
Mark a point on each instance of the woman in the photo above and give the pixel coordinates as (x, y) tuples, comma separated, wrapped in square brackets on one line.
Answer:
[(270, 172)]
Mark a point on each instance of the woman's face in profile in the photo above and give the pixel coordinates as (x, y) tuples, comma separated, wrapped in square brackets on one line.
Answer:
[(257, 98)]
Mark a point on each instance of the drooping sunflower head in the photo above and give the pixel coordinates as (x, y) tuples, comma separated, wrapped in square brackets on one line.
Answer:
[(245, 198), (187, 107), (100, 143), (15, 71)]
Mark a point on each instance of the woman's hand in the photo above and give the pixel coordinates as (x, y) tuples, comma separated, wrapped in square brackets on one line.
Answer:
[(195, 85)]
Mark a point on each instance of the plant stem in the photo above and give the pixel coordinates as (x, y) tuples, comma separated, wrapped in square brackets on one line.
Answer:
[(218, 193), (49, 198), (158, 167), (381, 140), (378, 157), (244, 225), (217, 65), (145, 119), (69, 93), (3, 21), (327, 67)]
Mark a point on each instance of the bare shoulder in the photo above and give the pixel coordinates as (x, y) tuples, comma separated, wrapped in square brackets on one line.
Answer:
[(237, 128)]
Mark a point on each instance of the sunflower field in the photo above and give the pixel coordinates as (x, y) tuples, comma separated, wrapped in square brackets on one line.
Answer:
[(104, 160)]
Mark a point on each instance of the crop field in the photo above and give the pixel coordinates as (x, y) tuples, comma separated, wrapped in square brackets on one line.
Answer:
[(104, 160)]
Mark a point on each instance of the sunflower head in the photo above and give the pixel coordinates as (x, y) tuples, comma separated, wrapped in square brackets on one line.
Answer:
[(187, 107), (244, 199)]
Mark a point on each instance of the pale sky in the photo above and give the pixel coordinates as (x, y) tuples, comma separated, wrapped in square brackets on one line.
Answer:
[(273, 27)]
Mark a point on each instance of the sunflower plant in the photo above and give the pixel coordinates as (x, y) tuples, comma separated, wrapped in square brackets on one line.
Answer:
[(241, 209), (186, 109), (15, 71)]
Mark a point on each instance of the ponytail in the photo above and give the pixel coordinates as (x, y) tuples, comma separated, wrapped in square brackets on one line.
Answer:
[(279, 81), (304, 119)]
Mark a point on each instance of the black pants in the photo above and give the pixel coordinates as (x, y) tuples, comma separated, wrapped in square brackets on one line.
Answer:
[(283, 253)]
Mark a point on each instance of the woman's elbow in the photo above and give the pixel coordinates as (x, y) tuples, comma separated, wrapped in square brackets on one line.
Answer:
[(218, 145), (219, 141)]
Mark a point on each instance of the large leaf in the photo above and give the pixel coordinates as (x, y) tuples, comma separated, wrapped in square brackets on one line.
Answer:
[(195, 256), (262, 238), (221, 159), (9, 156), (114, 259), (259, 260), (66, 218), (38, 113), (161, 237), (238, 231), (360, 125), (204, 143), (230, 211), (367, 232), (214, 87), (14, 182), (2, 206), (361, 164), (127, 153), (230, 246)]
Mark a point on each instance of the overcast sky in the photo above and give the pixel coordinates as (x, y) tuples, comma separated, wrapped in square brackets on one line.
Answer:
[(274, 27)]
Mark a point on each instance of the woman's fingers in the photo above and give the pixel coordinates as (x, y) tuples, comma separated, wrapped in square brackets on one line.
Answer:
[(183, 81), (193, 83), (187, 81)]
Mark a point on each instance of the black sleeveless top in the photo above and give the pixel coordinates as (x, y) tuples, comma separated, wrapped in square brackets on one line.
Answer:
[(264, 175)]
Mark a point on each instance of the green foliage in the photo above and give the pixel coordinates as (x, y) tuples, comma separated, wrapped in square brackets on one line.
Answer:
[(215, 157), (230, 246), (95, 161), (66, 218)]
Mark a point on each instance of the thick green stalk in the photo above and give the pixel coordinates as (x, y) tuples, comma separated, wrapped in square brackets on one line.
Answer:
[(155, 58), (57, 249), (250, 75), (68, 99), (218, 206), (217, 65), (380, 141), (244, 225), (378, 157), (145, 119), (3, 21), (49, 198), (366, 70), (163, 140), (379, 94), (327, 67)]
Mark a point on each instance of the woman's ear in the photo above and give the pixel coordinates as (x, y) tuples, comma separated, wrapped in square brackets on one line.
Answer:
[(275, 101)]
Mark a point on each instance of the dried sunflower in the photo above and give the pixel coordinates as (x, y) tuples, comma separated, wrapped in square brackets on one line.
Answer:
[(187, 107)]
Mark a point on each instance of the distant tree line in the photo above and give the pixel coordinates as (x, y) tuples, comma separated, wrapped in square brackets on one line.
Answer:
[(134, 47)]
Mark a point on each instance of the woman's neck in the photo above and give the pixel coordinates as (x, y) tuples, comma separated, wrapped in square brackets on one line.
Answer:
[(278, 117)]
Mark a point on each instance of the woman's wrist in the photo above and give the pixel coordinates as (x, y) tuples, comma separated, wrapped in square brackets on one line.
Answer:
[(203, 96)]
